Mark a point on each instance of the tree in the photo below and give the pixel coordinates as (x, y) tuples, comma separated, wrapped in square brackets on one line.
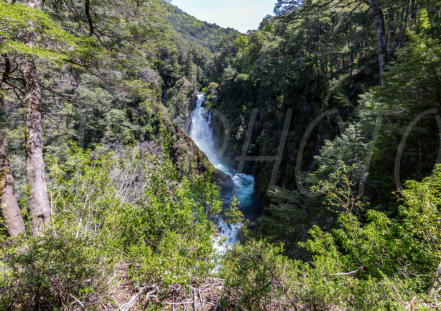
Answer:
[(285, 6), (28, 33), (377, 10), (35, 168), (9, 206), (296, 6)]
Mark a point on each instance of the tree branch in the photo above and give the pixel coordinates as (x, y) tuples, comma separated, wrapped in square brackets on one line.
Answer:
[(351, 273)]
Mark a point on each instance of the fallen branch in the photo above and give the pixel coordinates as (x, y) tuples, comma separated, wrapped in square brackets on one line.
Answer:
[(194, 300), (134, 298), (437, 282), (201, 299), (351, 273), (77, 300), (147, 296)]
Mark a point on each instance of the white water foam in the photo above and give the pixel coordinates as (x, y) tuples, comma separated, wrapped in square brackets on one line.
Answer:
[(202, 134)]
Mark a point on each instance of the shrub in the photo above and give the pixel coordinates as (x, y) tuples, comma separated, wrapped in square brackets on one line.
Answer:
[(50, 272), (370, 261), (131, 209), (257, 275)]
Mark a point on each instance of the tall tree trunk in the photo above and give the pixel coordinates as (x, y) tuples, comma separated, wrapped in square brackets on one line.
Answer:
[(35, 168), (9, 206), (89, 17), (381, 36), (414, 11)]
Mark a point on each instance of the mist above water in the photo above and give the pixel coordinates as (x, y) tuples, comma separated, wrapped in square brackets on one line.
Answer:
[(202, 134)]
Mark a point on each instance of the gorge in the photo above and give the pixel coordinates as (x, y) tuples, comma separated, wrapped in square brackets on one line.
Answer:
[(243, 184), (135, 113)]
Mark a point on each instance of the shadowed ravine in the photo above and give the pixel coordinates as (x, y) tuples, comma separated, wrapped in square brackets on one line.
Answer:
[(243, 184)]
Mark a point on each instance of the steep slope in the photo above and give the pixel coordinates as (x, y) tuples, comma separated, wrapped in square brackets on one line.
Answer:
[(132, 197), (203, 33), (137, 70)]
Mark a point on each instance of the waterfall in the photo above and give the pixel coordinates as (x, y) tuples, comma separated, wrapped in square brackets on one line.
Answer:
[(202, 134)]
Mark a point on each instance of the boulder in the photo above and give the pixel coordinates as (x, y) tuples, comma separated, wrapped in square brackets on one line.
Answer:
[(223, 180)]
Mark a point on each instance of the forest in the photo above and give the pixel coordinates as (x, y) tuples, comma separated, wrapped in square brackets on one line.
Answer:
[(110, 202)]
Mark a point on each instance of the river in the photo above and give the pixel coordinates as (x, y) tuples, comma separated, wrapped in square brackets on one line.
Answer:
[(202, 134)]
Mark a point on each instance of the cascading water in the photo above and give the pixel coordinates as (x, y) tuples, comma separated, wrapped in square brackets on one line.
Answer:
[(202, 134)]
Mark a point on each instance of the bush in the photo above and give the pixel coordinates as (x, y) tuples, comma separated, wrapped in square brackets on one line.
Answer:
[(110, 211), (139, 209), (50, 272), (370, 261), (257, 275)]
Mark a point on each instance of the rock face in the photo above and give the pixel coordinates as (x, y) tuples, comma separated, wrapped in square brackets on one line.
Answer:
[(191, 160), (223, 180), (181, 101), (185, 153)]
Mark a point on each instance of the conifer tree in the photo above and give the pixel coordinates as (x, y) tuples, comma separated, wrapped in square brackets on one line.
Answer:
[(35, 168)]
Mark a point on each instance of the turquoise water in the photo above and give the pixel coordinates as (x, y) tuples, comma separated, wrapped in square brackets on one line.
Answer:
[(202, 134)]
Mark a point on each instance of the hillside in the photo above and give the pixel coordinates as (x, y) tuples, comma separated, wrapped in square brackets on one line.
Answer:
[(325, 196), (335, 105), (205, 34), (102, 157)]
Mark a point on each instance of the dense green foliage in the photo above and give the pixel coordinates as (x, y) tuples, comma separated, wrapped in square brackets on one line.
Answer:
[(319, 58), (373, 262), (205, 34), (109, 210), (133, 199), (316, 59)]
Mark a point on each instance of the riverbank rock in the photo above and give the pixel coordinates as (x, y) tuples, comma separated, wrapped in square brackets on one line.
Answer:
[(187, 156), (223, 180), (191, 160)]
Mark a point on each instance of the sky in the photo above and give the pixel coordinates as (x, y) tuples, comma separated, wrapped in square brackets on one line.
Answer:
[(242, 15)]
